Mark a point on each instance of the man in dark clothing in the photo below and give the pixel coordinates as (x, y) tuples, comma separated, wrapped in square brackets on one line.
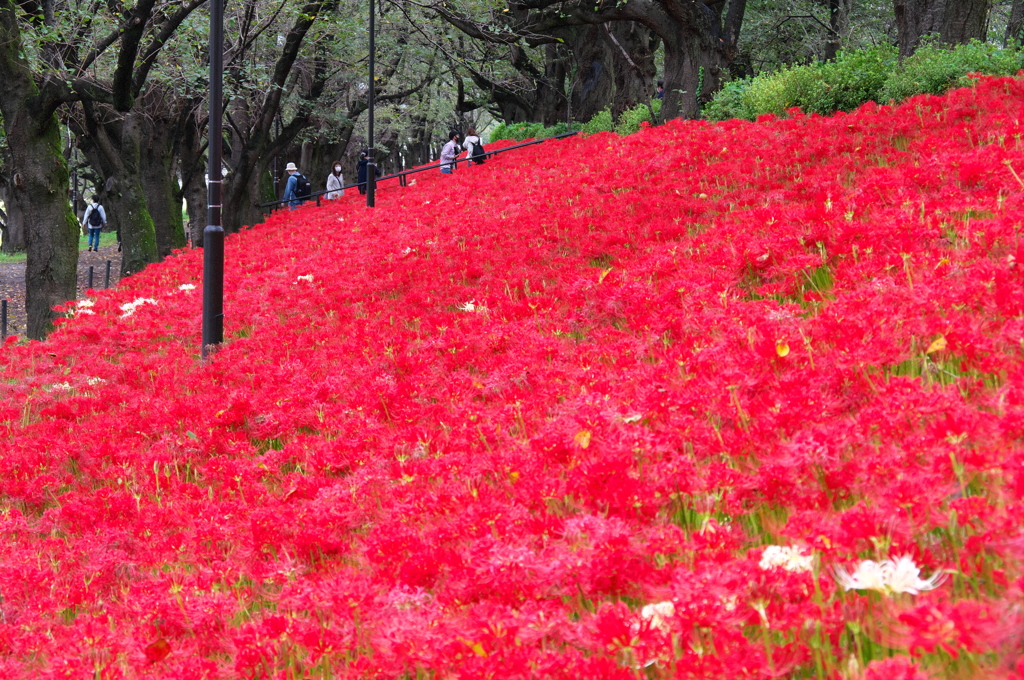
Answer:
[(361, 171)]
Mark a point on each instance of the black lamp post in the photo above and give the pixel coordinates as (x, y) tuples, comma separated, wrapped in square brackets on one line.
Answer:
[(371, 165), (213, 235)]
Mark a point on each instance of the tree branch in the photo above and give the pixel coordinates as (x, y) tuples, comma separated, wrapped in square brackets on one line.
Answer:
[(156, 44)]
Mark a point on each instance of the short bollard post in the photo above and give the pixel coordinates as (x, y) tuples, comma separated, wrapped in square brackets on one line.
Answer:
[(3, 319), (90, 276), (107, 283)]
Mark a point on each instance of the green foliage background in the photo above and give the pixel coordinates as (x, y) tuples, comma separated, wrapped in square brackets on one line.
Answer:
[(859, 76)]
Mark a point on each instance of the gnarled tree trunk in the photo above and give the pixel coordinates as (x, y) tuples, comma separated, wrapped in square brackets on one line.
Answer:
[(615, 68), (12, 221), (954, 22), (40, 180), (1015, 24), (112, 142), (159, 183)]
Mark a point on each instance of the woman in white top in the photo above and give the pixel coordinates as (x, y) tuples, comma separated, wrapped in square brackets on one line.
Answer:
[(335, 182), (471, 140)]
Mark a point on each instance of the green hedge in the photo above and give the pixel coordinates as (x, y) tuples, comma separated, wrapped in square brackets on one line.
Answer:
[(856, 77), (840, 85), (520, 131), (629, 122), (933, 69)]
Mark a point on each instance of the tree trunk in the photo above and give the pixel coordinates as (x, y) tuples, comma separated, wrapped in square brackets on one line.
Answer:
[(40, 182), (112, 143), (417, 151), (614, 66), (954, 22), (192, 166), (242, 189), (13, 226), (159, 183), (693, 73), (196, 196), (838, 22), (1015, 26)]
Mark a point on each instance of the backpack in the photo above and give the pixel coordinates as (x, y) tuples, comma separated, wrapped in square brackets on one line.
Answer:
[(478, 153), (302, 186), (95, 219)]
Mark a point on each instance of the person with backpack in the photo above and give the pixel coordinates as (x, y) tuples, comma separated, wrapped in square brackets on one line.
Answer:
[(298, 188), (96, 218), (475, 153)]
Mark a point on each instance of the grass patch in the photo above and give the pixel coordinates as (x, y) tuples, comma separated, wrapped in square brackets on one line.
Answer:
[(106, 239)]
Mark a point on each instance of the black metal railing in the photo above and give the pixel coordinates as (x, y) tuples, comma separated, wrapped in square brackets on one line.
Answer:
[(316, 195)]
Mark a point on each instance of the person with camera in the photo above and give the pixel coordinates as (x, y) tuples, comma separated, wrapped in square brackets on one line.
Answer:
[(449, 152)]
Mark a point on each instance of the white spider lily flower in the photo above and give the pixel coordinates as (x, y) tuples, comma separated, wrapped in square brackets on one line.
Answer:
[(304, 277), (657, 614), (187, 287), (906, 577), (786, 557), (471, 306), (129, 307), (82, 304), (888, 576)]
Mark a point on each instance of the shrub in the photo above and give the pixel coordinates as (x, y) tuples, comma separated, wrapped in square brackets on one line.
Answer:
[(499, 132), (731, 102), (795, 86), (933, 68), (858, 76), (630, 119), (520, 131), (824, 88), (601, 122)]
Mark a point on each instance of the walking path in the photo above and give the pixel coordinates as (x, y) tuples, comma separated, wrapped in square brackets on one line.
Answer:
[(12, 282)]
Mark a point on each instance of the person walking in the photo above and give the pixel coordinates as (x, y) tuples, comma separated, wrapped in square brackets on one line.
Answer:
[(335, 182), (449, 152), (361, 171), (96, 218), (297, 189), (471, 143)]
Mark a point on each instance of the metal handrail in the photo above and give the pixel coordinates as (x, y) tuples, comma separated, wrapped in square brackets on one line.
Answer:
[(402, 175)]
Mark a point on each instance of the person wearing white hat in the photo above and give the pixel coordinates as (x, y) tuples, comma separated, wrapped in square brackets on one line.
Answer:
[(298, 187)]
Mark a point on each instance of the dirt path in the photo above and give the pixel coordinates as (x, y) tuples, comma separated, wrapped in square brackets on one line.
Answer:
[(12, 282)]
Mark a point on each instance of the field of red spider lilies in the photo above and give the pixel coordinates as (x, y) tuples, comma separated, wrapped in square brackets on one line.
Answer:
[(742, 400)]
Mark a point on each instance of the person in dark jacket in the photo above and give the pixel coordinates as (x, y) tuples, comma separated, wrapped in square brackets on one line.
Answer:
[(361, 171)]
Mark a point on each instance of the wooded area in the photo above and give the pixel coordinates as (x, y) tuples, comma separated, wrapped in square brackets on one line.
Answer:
[(110, 98)]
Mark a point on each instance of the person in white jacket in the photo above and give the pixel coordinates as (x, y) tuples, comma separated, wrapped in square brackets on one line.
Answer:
[(335, 182), (469, 143)]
